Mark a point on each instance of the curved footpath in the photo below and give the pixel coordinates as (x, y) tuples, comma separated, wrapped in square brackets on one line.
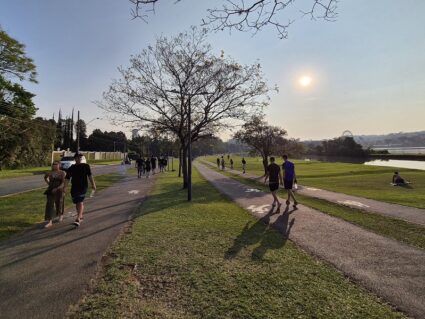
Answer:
[(388, 268), (44, 271), (406, 213)]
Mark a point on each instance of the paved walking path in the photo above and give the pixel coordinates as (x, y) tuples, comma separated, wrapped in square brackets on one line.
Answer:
[(44, 271), (406, 213), (390, 269)]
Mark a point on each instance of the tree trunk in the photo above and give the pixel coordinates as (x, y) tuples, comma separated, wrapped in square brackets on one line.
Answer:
[(265, 163), (180, 161)]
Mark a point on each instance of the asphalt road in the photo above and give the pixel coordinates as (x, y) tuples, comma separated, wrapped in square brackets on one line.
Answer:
[(44, 271), (14, 185)]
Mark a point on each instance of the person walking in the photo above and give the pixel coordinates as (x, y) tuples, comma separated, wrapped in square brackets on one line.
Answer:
[(140, 162), (275, 177), (288, 179), (243, 164), (147, 167), (231, 163), (218, 163), (153, 165), (223, 164), (54, 194), (78, 174)]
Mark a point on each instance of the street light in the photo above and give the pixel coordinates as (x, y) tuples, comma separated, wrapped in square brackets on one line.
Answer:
[(189, 145), (78, 129)]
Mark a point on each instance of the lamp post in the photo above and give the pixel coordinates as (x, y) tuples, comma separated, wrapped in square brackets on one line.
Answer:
[(189, 152), (78, 129), (189, 145)]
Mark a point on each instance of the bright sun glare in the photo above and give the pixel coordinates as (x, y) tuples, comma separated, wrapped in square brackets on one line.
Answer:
[(305, 80)]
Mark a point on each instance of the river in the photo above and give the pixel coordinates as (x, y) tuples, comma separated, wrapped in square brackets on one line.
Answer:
[(374, 162)]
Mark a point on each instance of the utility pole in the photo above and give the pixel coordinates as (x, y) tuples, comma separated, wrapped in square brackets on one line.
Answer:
[(78, 132)]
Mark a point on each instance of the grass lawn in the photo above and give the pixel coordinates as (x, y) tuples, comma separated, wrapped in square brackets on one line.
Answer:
[(397, 229), (353, 179), (8, 173), (211, 259), (20, 211)]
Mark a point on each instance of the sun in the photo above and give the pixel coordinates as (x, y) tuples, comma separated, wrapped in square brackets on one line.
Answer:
[(305, 80)]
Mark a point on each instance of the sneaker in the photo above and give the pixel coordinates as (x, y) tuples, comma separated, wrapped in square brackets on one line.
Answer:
[(77, 222), (60, 218)]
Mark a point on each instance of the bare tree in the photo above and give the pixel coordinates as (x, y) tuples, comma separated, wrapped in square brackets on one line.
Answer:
[(264, 139), (253, 15), (180, 74)]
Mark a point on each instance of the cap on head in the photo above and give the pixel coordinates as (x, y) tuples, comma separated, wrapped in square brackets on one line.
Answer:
[(78, 155)]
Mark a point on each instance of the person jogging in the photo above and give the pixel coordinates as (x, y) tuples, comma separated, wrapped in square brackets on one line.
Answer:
[(231, 163), (275, 177), (243, 165), (218, 162), (78, 174), (223, 163), (288, 179)]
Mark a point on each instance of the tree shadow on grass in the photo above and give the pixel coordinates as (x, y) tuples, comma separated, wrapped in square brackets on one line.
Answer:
[(260, 233)]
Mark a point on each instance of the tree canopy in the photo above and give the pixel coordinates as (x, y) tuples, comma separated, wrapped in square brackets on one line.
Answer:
[(179, 74), (263, 138)]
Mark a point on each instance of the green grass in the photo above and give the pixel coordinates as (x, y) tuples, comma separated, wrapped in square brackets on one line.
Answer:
[(9, 173), (354, 179), (397, 229), (21, 211), (211, 259)]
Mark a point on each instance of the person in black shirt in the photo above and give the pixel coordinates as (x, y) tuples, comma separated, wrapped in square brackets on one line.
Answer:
[(140, 163), (275, 177), (153, 165), (147, 167), (243, 164), (231, 163), (218, 162), (78, 174)]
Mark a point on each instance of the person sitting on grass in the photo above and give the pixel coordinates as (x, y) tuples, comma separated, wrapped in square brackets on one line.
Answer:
[(398, 180)]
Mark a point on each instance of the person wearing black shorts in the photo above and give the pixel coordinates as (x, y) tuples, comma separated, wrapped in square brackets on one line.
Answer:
[(243, 164), (140, 162), (78, 174), (153, 165), (147, 167), (275, 177), (288, 179)]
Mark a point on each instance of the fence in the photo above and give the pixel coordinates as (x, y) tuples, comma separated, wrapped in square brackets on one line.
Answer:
[(90, 156)]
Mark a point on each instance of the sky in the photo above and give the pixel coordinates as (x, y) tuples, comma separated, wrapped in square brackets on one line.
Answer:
[(367, 69)]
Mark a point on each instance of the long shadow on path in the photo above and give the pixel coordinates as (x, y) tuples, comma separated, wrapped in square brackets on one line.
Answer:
[(260, 233)]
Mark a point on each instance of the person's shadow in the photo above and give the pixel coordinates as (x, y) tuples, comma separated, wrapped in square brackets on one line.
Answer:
[(260, 232)]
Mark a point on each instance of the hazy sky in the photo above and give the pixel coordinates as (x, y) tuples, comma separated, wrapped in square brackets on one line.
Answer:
[(367, 68)]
